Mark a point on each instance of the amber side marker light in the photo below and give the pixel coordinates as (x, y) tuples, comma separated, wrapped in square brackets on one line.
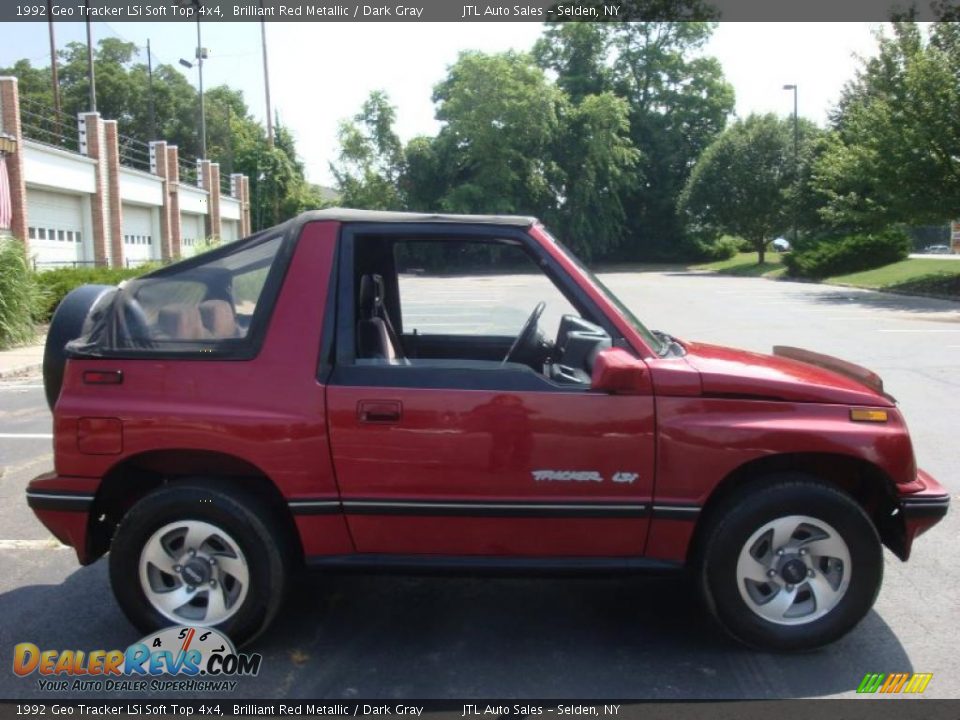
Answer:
[(865, 415)]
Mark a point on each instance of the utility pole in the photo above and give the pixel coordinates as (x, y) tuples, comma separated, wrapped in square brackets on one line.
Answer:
[(796, 161), (55, 78), (91, 75), (151, 107), (266, 80), (203, 109)]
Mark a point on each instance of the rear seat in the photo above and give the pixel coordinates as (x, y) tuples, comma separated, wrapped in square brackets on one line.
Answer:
[(218, 318), (181, 322)]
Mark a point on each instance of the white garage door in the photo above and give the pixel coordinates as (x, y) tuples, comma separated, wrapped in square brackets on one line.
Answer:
[(229, 230), (138, 240), (55, 229), (192, 231)]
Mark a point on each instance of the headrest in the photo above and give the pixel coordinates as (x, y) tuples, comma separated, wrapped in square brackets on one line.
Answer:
[(181, 322), (218, 318)]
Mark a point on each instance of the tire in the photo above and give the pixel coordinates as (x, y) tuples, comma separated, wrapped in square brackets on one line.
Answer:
[(67, 324), (235, 581), (824, 582)]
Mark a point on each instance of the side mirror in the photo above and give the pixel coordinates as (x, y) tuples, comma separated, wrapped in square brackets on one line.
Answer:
[(617, 371)]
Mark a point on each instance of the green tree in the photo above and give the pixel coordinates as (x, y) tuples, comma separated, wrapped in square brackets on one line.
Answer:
[(500, 117), (895, 154), (597, 165), (371, 158), (741, 184), (678, 102), (578, 53)]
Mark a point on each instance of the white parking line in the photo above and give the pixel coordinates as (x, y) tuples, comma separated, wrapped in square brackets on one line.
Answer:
[(48, 544), (920, 330), (26, 436), (13, 386)]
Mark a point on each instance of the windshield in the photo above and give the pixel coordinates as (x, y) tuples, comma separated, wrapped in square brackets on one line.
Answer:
[(658, 345)]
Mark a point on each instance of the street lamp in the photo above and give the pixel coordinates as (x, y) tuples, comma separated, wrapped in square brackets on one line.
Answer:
[(200, 55), (796, 160)]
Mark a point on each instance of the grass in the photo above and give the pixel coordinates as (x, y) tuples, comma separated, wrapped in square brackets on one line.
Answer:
[(745, 265), (927, 276), (921, 276), (19, 295)]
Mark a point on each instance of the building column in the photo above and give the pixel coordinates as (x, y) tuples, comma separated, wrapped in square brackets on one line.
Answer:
[(210, 181), (158, 166), (92, 144), (10, 126), (114, 204), (236, 191), (173, 195)]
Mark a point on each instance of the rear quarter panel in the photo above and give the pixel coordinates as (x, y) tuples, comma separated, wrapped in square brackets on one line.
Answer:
[(268, 411)]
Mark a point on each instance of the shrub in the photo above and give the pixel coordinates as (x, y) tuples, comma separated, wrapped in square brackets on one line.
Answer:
[(19, 295), (728, 246), (55, 284), (849, 254), (722, 249)]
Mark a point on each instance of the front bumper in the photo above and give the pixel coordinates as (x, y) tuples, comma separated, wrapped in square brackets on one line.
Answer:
[(63, 505), (918, 510)]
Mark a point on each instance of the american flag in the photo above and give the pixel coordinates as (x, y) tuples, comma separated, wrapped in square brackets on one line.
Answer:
[(6, 210)]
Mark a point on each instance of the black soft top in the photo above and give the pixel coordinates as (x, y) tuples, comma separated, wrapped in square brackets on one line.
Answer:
[(390, 216)]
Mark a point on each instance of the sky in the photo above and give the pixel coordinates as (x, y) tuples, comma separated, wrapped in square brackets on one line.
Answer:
[(320, 73)]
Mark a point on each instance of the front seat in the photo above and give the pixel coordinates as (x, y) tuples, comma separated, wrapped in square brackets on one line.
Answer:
[(376, 337)]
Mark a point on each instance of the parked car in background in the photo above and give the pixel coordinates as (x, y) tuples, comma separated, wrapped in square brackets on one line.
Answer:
[(292, 399), (937, 250), (781, 245)]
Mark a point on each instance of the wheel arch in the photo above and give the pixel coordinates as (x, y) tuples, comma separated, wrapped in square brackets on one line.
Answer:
[(872, 488), (136, 476)]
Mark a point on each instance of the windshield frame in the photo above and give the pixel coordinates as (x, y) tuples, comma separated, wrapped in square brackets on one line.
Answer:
[(655, 343)]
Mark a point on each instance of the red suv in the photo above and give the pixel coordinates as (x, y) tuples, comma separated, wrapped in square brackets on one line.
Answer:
[(361, 389)]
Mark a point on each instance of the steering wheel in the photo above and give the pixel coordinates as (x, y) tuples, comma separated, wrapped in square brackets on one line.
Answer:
[(527, 333)]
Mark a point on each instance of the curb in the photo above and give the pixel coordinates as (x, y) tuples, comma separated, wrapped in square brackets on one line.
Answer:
[(807, 281), (20, 370), (903, 293)]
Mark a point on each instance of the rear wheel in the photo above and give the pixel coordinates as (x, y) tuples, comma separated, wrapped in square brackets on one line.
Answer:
[(791, 565), (198, 553)]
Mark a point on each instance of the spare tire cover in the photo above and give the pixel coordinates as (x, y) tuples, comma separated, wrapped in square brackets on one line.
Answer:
[(67, 324)]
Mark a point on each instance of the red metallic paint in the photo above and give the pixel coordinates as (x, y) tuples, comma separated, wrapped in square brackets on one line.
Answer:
[(914, 527), (700, 441), (617, 371), (245, 409), (669, 539), (729, 372), (484, 445), (99, 436), (693, 421)]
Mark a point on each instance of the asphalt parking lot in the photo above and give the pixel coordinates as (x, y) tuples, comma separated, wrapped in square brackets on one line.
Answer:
[(636, 637)]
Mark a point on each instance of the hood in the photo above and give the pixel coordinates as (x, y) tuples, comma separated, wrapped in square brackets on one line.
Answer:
[(784, 376)]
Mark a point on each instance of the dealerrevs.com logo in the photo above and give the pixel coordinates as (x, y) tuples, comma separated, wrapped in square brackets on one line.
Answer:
[(173, 659)]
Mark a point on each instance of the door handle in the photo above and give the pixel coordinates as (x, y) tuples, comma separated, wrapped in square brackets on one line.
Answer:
[(379, 411)]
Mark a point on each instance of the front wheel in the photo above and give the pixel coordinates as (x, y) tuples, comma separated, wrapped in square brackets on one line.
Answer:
[(791, 565), (195, 553)]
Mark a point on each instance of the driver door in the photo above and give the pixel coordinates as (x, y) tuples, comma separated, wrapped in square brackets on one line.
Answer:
[(449, 451)]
